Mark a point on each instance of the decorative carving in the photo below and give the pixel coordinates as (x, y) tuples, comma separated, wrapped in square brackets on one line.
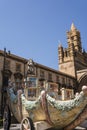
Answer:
[(31, 68), (51, 110)]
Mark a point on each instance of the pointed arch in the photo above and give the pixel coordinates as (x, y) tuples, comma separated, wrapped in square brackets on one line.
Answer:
[(82, 81)]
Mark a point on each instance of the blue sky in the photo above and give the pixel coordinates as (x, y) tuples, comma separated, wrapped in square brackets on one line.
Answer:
[(33, 28)]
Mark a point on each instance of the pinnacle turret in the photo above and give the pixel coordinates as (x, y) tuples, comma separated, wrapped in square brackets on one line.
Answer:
[(73, 27)]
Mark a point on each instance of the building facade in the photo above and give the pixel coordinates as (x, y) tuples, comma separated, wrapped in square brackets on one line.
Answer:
[(72, 62), (73, 59)]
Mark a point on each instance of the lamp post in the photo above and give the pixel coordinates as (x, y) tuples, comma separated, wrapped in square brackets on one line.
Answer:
[(3, 94), (3, 73)]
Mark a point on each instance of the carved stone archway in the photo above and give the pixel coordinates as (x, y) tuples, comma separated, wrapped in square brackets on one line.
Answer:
[(82, 81)]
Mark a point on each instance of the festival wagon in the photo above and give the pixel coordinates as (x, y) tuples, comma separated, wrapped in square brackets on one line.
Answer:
[(50, 112)]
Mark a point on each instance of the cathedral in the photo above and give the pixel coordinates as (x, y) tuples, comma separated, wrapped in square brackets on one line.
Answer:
[(73, 59), (72, 73)]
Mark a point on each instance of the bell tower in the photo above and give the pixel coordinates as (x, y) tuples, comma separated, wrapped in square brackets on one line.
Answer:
[(73, 37), (72, 58)]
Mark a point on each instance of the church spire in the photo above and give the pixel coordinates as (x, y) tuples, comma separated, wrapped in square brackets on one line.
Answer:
[(73, 37), (73, 27)]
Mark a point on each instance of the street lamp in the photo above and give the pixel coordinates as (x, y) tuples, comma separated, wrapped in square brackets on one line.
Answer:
[(2, 95), (3, 82)]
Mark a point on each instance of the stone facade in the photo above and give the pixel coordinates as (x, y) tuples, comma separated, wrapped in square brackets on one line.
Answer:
[(15, 68), (72, 58)]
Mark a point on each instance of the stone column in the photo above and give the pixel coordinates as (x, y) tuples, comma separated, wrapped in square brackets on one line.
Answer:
[(63, 93), (37, 88), (72, 93)]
